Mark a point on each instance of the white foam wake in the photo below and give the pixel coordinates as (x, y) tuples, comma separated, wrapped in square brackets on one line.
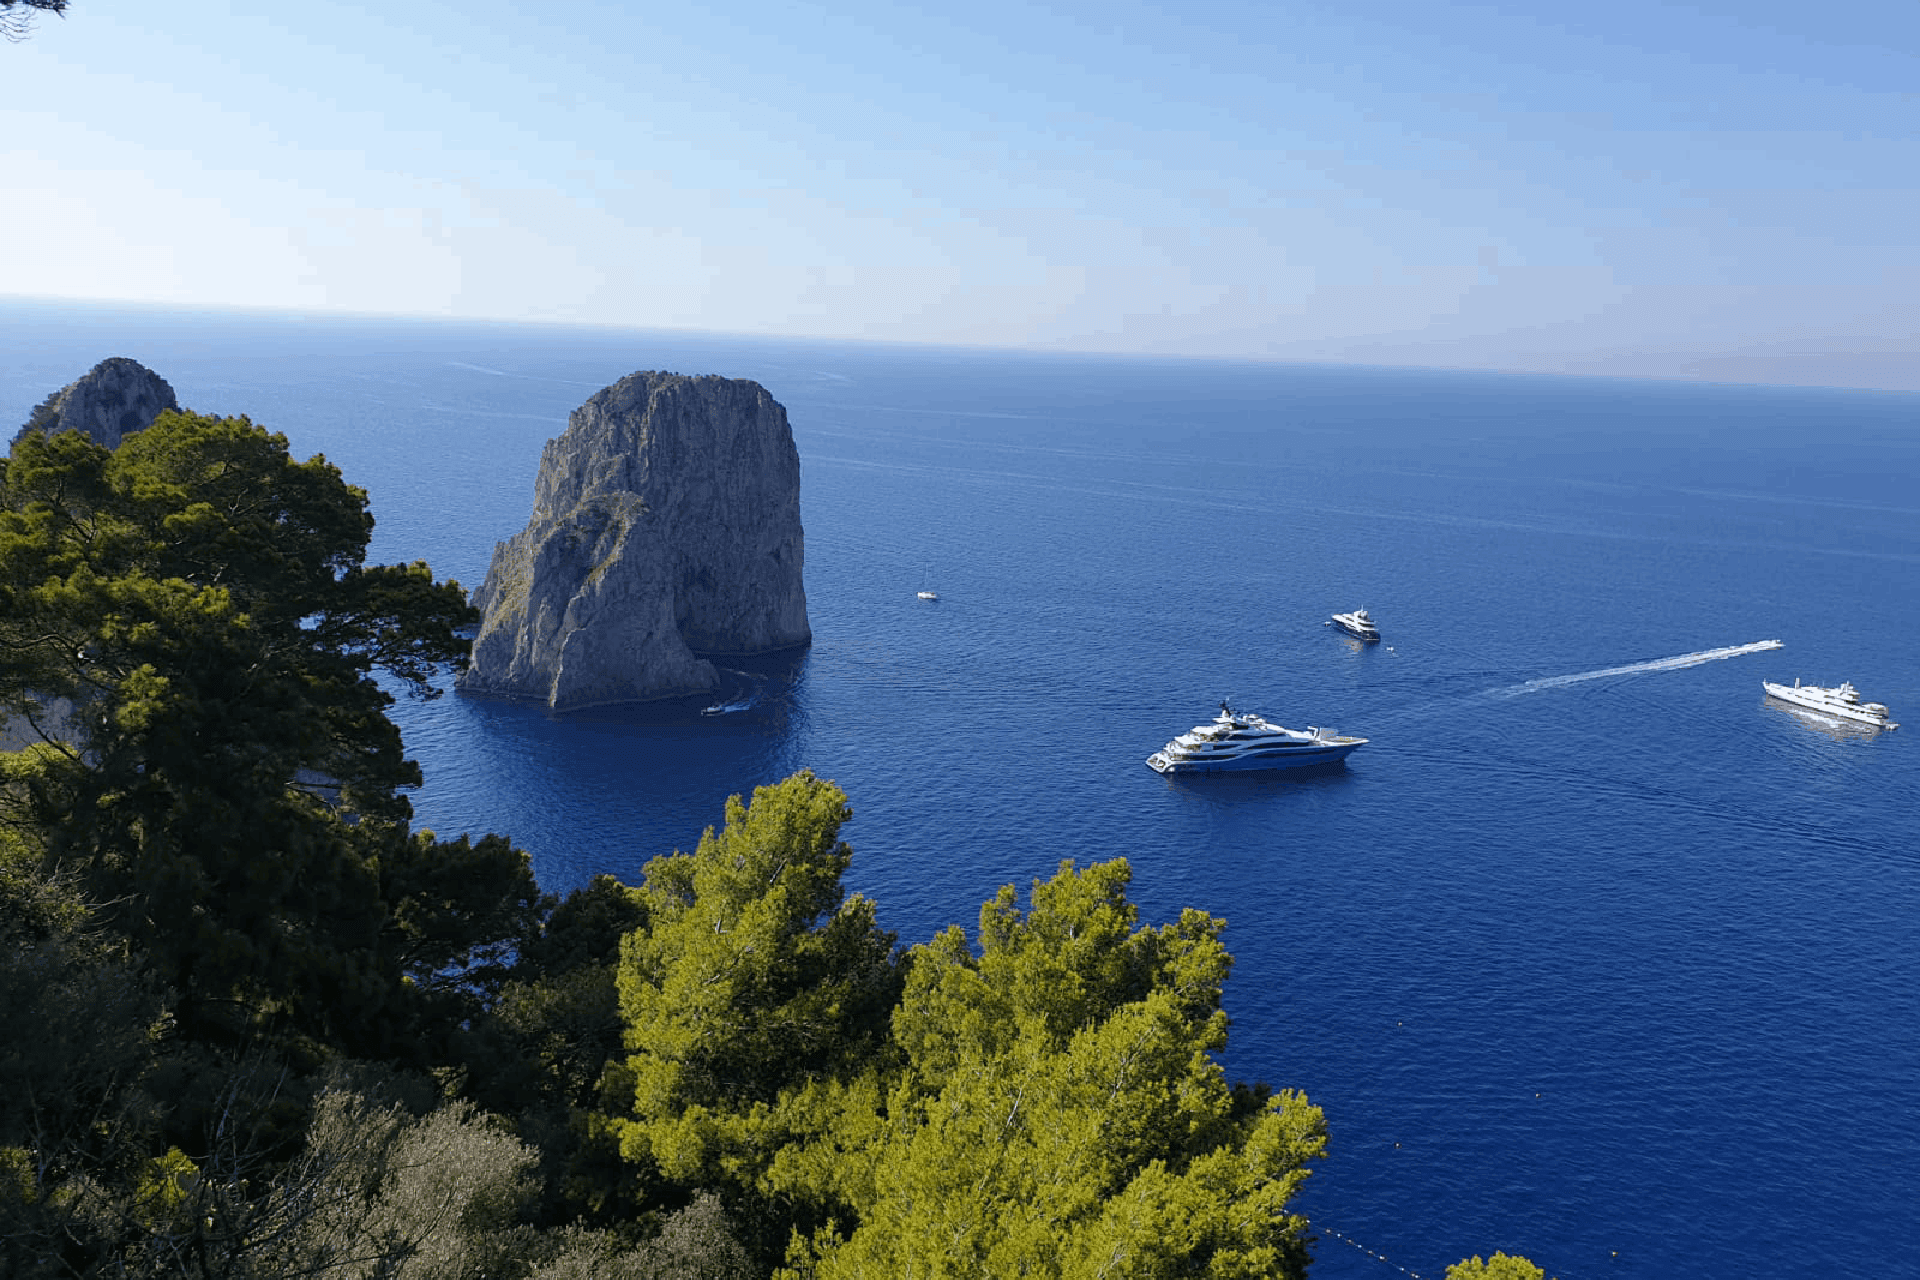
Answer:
[(1638, 668)]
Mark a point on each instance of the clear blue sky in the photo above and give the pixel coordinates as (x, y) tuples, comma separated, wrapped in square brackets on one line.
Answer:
[(1521, 185)]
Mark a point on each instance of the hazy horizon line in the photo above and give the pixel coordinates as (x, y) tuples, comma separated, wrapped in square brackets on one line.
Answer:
[(1615, 364)]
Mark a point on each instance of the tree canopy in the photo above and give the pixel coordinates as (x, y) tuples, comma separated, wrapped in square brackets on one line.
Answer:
[(756, 979), (189, 627), (1047, 1106), (16, 16), (1499, 1267), (1057, 1110)]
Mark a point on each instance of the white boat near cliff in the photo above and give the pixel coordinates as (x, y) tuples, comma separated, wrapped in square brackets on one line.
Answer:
[(1842, 700)]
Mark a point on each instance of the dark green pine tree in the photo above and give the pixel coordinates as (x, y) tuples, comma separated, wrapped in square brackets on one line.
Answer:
[(190, 625)]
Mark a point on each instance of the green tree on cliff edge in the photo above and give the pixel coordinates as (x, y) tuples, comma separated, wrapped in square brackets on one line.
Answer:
[(1058, 1111), (756, 979), (1048, 1107), (1499, 1267), (190, 624)]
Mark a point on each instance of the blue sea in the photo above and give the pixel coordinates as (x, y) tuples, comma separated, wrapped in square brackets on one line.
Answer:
[(1591, 954)]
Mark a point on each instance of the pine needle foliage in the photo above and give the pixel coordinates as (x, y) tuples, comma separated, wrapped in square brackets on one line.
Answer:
[(1059, 1111)]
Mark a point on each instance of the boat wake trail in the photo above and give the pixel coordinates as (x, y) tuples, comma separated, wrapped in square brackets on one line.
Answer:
[(1637, 668)]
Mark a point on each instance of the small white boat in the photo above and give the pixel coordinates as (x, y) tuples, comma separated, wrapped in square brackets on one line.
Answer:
[(928, 595), (1358, 624), (734, 701), (1241, 742), (1843, 700)]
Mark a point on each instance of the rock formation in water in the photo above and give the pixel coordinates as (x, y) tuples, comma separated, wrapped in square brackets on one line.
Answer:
[(115, 398), (665, 531)]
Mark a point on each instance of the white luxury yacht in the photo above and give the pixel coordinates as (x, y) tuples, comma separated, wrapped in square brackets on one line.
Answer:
[(1841, 701), (1357, 623), (1239, 741)]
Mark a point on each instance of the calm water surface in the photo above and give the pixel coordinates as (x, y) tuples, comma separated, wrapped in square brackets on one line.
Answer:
[(1591, 954)]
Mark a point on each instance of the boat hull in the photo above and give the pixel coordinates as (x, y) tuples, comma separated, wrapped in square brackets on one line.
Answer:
[(1298, 758)]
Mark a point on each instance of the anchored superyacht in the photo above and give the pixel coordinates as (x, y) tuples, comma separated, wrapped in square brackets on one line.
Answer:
[(1239, 741), (1841, 701), (1358, 624)]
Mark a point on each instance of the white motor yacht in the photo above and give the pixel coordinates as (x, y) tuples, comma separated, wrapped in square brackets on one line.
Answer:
[(1843, 701), (1241, 742), (1357, 623)]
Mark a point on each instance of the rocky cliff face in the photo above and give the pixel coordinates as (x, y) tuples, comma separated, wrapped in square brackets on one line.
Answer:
[(115, 398), (665, 531)]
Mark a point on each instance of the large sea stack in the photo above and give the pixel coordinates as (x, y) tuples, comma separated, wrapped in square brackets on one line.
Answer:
[(114, 399), (665, 531)]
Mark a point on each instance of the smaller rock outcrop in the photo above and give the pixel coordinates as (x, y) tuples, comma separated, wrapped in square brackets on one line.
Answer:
[(114, 399), (665, 531)]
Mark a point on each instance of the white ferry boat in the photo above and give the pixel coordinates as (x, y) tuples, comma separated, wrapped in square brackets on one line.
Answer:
[(1842, 701), (1239, 741), (1357, 623)]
